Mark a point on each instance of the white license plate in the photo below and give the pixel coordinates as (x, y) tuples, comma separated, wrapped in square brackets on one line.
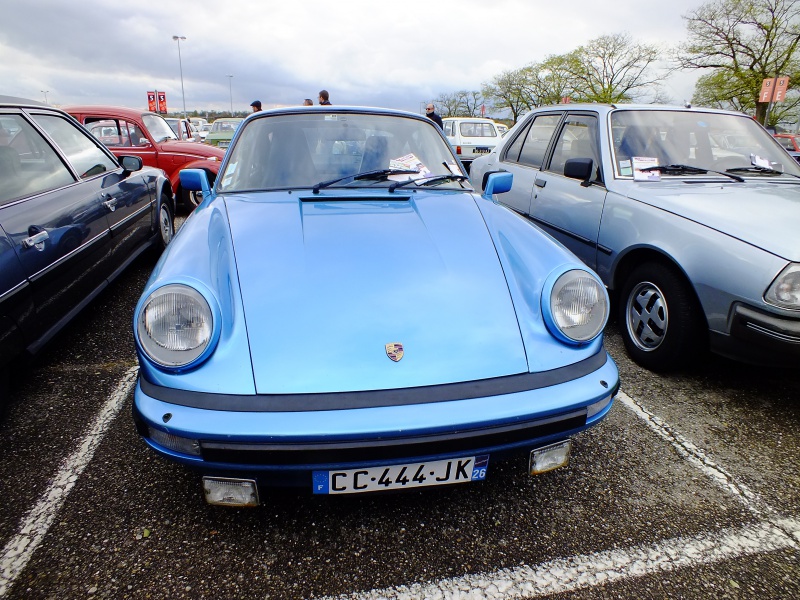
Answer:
[(401, 477), (224, 144)]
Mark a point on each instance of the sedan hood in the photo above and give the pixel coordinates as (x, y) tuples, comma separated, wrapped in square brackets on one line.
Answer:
[(328, 281), (762, 214)]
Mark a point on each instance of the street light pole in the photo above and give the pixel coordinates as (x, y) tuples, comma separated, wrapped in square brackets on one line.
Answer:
[(230, 88), (45, 95), (178, 39)]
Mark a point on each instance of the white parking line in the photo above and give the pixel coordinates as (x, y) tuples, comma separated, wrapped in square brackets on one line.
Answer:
[(577, 572), (569, 574), (37, 521)]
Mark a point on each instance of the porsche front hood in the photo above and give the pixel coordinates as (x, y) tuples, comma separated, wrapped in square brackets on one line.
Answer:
[(327, 281)]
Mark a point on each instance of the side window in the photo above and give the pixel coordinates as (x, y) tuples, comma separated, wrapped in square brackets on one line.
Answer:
[(538, 139), (577, 139), (512, 154), (28, 165), (137, 136), (81, 151)]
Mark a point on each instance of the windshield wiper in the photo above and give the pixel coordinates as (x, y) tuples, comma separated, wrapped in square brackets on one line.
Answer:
[(428, 180), (757, 169), (691, 169), (376, 174)]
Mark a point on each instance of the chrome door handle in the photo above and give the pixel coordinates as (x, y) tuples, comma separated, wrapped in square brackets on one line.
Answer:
[(36, 240), (111, 203)]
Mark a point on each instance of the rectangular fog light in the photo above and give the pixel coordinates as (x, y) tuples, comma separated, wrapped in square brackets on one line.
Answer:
[(549, 457), (223, 491)]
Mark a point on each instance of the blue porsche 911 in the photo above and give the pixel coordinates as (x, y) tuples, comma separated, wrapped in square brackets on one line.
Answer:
[(343, 312)]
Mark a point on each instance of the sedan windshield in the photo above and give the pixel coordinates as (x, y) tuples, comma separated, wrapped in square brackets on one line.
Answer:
[(337, 149), (694, 141)]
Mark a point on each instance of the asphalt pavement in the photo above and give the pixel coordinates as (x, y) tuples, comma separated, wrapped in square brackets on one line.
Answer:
[(689, 489)]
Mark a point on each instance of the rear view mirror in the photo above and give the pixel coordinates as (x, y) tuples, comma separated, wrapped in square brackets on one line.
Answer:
[(195, 180)]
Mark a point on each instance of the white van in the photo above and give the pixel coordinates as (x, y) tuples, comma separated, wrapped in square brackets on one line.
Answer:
[(471, 137)]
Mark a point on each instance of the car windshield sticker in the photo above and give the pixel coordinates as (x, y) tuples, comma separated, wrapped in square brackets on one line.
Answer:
[(625, 168), (452, 168), (644, 162), (409, 161)]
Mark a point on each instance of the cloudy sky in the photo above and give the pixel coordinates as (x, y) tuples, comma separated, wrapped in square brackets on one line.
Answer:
[(368, 52)]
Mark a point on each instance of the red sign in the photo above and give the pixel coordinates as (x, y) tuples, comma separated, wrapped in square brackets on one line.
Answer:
[(773, 89), (151, 101), (162, 102), (566, 100), (483, 110)]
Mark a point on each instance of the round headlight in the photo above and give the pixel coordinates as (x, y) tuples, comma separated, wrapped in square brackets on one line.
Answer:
[(785, 290), (579, 306), (174, 325)]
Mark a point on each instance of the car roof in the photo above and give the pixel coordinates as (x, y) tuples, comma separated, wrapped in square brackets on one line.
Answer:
[(105, 110), (15, 101)]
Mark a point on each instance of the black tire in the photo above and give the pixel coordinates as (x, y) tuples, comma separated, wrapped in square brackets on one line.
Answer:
[(190, 200), (660, 319), (165, 223)]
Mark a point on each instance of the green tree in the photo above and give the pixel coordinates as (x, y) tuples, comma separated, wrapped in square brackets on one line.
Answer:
[(741, 43), (507, 91)]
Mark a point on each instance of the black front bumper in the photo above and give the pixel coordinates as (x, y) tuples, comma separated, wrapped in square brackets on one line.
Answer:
[(760, 337)]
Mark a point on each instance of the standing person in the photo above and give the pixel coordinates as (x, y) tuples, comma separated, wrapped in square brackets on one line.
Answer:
[(323, 98), (308, 102), (256, 104), (430, 112)]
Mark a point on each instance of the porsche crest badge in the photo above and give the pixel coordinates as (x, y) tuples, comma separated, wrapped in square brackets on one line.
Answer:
[(394, 351)]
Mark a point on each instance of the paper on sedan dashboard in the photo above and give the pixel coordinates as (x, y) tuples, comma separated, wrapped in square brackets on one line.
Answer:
[(409, 161), (644, 162)]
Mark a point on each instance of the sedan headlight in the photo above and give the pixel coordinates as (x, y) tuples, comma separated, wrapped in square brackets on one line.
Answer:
[(785, 290), (578, 307), (175, 325)]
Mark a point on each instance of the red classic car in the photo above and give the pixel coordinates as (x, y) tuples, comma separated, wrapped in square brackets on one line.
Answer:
[(128, 131)]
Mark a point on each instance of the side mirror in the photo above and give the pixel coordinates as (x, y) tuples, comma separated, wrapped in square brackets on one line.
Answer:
[(131, 163), (195, 180), (496, 182), (579, 168)]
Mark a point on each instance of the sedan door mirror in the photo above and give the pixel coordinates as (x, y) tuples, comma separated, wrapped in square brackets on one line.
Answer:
[(579, 168), (131, 163), (496, 182)]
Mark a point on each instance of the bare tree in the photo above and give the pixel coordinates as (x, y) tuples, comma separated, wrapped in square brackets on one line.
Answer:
[(743, 42), (613, 68)]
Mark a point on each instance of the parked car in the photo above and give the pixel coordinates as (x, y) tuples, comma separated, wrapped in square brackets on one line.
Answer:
[(471, 137), (148, 136), (204, 131), (791, 142), (501, 128), (345, 314), (690, 216), (72, 216), (222, 131), (184, 129)]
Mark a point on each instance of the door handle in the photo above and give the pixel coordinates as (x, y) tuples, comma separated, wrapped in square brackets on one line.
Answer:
[(37, 240), (540, 183), (111, 203)]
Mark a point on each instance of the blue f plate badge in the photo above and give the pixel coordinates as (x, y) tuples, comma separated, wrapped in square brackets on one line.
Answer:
[(399, 477)]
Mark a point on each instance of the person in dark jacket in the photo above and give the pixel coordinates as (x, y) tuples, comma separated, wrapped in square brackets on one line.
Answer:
[(430, 111), (256, 104), (324, 98)]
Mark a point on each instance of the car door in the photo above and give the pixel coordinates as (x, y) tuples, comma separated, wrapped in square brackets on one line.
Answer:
[(125, 200), (523, 156), (57, 226), (570, 209), (16, 301)]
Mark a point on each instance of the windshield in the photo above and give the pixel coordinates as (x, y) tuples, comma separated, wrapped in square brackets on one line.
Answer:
[(158, 128), (709, 141), (306, 149), (227, 126)]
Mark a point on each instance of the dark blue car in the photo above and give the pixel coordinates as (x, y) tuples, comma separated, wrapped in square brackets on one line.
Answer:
[(72, 217)]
